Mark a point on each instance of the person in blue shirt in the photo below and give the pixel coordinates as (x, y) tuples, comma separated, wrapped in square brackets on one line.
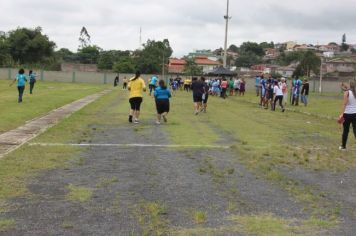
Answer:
[(32, 77), (152, 84), (21, 80), (162, 95), (297, 83), (263, 91), (258, 85)]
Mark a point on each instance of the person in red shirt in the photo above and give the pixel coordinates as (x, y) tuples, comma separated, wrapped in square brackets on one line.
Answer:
[(224, 85)]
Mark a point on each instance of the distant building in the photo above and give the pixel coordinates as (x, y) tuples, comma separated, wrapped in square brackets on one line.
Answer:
[(285, 71), (304, 47), (341, 65), (177, 66), (290, 46)]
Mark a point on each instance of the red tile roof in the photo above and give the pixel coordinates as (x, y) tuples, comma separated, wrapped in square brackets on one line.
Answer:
[(205, 61)]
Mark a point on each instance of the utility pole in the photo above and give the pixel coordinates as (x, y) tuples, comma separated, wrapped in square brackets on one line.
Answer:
[(227, 18), (321, 74)]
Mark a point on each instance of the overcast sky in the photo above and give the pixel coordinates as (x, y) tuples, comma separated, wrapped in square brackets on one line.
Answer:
[(188, 24)]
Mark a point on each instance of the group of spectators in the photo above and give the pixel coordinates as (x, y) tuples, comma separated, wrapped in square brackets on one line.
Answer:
[(272, 90)]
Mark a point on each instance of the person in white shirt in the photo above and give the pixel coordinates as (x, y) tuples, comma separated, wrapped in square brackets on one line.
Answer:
[(277, 96), (348, 113)]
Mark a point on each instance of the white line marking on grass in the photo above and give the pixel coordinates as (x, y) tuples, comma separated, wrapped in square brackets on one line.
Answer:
[(127, 145)]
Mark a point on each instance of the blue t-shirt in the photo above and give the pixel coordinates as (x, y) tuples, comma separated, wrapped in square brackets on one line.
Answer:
[(21, 80), (263, 83), (162, 94), (258, 81), (153, 80)]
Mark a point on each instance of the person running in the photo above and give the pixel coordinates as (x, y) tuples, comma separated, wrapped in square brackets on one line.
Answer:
[(175, 86), (21, 80), (162, 95), (198, 91), (224, 85), (348, 114), (231, 87), (124, 83), (136, 86), (32, 77), (116, 81), (277, 96), (205, 94), (152, 84), (305, 92)]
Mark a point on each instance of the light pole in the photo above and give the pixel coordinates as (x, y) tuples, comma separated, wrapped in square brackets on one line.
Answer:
[(227, 18), (321, 74)]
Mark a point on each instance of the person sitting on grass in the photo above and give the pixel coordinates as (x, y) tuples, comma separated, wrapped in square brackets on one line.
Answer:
[(162, 95), (21, 82)]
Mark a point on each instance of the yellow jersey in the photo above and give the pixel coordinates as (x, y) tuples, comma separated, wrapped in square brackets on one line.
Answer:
[(136, 87)]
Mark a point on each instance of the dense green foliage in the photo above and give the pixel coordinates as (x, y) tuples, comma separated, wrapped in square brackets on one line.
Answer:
[(191, 68)]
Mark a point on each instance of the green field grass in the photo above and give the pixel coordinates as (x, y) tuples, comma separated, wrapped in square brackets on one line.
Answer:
[(47, 96)]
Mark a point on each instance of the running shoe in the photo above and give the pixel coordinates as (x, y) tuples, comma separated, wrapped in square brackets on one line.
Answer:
[(341, 148), (158, 123), (136, 121)]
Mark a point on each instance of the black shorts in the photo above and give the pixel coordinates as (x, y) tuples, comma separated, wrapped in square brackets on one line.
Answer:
[(162, 106), (136, 103), (205, 101), (152, 86), (197, 97)]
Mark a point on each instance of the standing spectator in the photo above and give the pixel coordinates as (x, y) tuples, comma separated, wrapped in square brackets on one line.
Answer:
[(32, 80), (231, 87), (305, 92), (284, 90), (348, 113), (116, 81), (263, 91), (258, 85), (124, 83), (224, 84), (297, 83), (242, 87), (136, 86), (198, 91), (215, 88), (162, 95), (21, 82)]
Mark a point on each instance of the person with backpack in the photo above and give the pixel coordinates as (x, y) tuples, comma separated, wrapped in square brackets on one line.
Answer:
[(162, 95), (136, 86), (348, 114), (21, 80), (32, 80)]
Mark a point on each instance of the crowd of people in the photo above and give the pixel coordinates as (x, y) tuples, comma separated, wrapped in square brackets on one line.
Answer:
[(272, 90)]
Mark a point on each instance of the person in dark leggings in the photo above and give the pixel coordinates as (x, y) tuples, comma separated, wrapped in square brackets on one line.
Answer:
[(21, 82), (278, 96), (32, 80), (348, 114)]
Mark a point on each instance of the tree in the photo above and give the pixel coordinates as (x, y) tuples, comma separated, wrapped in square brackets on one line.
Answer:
[(286, 59), (154, 53), (88, 55), (265, 45), (309, 63), (191, 68), (84, 38), (248, 59), (30, 46), (5, 56), (344, 46), (233, 48), (125, 65), (255, 48)]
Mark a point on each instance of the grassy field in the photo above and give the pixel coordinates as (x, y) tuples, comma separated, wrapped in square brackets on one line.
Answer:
[(263, 140), (47, 96)]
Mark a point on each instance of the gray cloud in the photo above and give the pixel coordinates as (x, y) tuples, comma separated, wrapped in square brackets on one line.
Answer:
[(188, 24)]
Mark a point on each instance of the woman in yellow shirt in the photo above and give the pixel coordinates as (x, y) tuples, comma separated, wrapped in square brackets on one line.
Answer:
[(136, 87)]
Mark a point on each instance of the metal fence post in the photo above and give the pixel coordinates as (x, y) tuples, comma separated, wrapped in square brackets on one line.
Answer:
[(105, 78), (73, 77), (42, 75)]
